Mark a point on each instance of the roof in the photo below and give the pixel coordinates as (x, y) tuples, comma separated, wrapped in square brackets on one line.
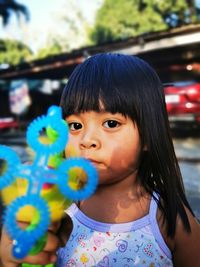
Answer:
[(180, 45)]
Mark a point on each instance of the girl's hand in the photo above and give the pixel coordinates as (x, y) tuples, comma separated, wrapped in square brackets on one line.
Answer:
[(46, 256), (58, 235)]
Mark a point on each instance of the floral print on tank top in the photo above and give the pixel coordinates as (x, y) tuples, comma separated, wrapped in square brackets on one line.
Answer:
[(138, 243)]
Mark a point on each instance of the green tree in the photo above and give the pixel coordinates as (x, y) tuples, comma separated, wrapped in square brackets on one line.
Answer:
[(52, 49), (120, 19), (13, 52), (9, 7)]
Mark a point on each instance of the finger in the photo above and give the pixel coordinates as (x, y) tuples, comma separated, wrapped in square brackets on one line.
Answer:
[(9, 264), (41, 258), (54, 226), (6, 247), (44, 257), (52, 243), (23, 225), (7, 258)]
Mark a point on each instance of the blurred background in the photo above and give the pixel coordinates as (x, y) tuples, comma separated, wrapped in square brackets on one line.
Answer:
[(41, 42)]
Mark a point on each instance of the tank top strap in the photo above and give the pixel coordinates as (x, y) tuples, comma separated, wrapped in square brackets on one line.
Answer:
[(154, 224), (153, 206)]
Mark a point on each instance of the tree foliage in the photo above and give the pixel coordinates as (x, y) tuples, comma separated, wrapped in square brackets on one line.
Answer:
[(120, 19), (9, 7), (70, 31), (52, 49), (13, 52)]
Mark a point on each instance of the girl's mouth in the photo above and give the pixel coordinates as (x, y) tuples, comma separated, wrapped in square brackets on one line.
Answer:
[(93, 161)]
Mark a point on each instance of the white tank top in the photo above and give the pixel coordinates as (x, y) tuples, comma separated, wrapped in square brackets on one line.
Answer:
[(92, 243)]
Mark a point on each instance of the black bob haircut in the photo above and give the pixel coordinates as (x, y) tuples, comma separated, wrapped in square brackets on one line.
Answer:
[(130, 86)]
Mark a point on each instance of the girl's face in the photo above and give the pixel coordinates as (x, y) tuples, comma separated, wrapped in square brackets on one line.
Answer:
[(110, 141)]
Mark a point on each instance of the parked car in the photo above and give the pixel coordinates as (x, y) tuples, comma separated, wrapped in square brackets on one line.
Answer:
[(183, 103), (8, 123)]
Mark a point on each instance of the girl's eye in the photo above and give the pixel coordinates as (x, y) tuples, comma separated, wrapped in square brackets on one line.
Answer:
[(111, 124), (74, 126)]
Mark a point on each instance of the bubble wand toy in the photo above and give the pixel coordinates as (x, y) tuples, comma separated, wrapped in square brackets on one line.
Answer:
[(34, 204)]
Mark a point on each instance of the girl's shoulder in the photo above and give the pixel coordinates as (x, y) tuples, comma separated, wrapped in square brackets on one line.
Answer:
[(184, 246)]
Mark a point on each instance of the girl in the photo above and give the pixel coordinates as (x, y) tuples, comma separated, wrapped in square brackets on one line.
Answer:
[(139, 216)]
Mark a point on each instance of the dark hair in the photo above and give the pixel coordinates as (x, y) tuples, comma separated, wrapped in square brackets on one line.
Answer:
[(129, 85)]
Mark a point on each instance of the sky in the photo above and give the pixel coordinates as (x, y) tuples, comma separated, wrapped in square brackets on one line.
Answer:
[(45, 19)]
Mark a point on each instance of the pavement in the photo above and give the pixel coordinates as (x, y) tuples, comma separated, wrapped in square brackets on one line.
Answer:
[(187, 149), (188, 154)]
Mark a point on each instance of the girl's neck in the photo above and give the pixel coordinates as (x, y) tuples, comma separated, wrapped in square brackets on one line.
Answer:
[(119, 202)]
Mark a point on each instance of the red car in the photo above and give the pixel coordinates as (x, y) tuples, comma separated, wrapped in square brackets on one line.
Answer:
[(8, 123), (183, 103)]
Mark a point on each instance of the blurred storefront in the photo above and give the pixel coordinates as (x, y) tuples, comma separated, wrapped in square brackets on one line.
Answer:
[(175, 54)]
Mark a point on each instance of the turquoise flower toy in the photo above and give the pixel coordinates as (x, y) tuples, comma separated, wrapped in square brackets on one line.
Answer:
[(36, 192)]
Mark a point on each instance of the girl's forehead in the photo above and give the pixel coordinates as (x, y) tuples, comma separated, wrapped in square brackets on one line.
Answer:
[(100, 113)]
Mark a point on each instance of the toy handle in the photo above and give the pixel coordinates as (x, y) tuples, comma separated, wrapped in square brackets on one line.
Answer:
[(35, 250)]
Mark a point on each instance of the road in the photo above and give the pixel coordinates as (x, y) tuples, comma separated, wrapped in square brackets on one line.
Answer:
[(188, 153), (187, 150)]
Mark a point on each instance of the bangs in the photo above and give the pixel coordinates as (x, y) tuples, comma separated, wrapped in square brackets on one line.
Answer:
[(96, 87)]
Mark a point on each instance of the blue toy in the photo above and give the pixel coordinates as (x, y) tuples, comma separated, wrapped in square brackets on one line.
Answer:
[(33, 178)]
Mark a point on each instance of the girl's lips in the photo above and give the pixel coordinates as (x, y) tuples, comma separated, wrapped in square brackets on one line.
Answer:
[(96, 163), (93, 161)]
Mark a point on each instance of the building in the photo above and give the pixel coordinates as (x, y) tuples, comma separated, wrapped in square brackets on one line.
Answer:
[(175, 54)]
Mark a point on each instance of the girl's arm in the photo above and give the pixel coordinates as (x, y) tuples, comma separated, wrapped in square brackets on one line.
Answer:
[(187, 245)]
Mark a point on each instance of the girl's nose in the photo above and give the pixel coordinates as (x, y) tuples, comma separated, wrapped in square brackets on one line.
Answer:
[(88, 143)]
